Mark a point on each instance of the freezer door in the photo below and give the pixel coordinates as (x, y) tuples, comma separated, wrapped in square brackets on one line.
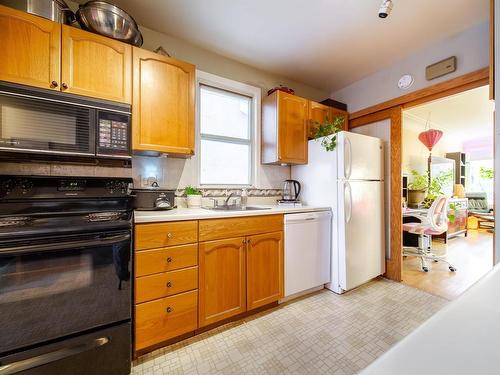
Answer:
[(360, 157), (361, 246)]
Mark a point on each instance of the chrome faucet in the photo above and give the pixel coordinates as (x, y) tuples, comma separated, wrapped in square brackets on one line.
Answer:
[(226, 201)]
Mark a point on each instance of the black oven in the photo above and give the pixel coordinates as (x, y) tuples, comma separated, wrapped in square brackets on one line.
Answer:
[(65, 275), (48, 123)]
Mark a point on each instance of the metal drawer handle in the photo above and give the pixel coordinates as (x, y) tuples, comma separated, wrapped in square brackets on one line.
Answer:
[(169, 260), (169, 284), (168, 310), (169, 235)]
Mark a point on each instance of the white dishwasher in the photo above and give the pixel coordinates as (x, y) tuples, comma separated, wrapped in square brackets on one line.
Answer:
[(307, 250)]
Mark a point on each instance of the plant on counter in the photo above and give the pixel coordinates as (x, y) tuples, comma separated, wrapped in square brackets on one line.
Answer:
[(193, 197), (327, 132), (189, 190)]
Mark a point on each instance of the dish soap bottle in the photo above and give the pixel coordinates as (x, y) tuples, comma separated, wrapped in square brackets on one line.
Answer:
[(244, 198)]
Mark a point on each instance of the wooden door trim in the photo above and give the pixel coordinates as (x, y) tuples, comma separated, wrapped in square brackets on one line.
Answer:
[(393, 265), (453, 86)]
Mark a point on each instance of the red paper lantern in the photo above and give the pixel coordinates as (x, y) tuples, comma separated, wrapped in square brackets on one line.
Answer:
[(430, 137)]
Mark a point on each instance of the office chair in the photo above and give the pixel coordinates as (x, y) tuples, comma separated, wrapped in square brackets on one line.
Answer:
[(432, 223)]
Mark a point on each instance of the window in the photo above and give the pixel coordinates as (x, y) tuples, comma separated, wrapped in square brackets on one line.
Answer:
[(226, 133)]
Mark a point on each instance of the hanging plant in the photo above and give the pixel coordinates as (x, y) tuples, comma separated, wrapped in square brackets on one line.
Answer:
[(326, 132)]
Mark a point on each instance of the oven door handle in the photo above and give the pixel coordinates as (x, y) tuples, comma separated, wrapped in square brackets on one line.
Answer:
[(63, 245), (56, 355)]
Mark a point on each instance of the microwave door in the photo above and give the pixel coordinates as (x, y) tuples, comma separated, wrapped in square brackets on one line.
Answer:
[(40, 126)]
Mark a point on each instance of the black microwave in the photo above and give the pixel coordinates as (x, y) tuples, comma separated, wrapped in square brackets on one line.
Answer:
[(43, 122)]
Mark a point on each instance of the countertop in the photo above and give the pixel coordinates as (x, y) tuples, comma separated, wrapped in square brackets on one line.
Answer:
[(201, 213), (462, 338)]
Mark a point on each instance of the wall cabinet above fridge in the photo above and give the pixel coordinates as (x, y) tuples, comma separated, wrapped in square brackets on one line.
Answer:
[(287, 123)]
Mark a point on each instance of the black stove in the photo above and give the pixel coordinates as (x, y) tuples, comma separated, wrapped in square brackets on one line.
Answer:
[(65, 283)]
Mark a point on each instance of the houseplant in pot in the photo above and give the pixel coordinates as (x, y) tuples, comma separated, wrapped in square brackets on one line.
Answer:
[(417, 188), (193, 196)]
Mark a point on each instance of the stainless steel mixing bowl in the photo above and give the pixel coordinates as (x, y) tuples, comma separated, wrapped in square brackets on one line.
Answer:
[(107, 19)]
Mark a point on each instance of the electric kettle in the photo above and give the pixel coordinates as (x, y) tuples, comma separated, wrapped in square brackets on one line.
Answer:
[(291, 190)]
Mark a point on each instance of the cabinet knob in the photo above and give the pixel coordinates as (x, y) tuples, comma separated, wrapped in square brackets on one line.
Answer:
[(54, 84), (169, 260), (244, 242), (64, 86), (169, 284), (169, 235), (168, 310)]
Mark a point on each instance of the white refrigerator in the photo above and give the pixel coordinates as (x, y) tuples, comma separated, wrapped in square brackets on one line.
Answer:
[(350, 180)]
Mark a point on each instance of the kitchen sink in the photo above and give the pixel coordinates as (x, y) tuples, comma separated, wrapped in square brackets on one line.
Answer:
[(236, 208)]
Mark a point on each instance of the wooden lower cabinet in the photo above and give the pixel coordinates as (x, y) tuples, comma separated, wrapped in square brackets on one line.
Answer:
[(165, 318), (187, 286), (221, 280), (264, 269)]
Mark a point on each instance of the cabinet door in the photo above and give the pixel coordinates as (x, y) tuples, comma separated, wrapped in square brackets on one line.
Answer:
[(222, 288), (96, 66), (163, 101), (264, 269), (334, 112), (292, 128), (318, 113), (30, 49)]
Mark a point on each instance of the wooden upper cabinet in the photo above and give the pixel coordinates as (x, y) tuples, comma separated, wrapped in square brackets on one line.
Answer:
[(319, 113), (96, 66), (163, 104), (338, 112), (222, 290), (264, 269), (29, 49), (284, 129)]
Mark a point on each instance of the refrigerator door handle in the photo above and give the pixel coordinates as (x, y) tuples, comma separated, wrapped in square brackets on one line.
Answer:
[(347, 202), (347, 157)]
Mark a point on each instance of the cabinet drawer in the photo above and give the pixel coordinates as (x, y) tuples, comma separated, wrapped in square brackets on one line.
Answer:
[(155, 235), (165, 284), (215, 229), (166, 318), (148, 262)]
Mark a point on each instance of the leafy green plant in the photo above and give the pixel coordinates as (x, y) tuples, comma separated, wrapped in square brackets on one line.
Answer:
[(436, 189), (327, 132), (419, 182), (486, 173), (189, 190)]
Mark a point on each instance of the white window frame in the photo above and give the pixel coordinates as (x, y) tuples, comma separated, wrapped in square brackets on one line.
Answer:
[(254, 93)]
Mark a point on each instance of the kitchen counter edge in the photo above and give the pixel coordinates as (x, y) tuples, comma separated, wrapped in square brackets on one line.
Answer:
[(179, 214)]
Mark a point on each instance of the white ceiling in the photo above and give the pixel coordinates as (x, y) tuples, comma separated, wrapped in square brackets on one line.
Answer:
[(465, 119), (327, 44)]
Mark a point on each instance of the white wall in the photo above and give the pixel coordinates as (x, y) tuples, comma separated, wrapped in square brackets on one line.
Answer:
[(497, 124), (470, 47)]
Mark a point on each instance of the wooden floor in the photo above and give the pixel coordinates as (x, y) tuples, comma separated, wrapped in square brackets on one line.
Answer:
[(471, 255)]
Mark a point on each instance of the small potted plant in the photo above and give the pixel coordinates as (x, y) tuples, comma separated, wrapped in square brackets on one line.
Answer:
[(193, 196), (417, 188)]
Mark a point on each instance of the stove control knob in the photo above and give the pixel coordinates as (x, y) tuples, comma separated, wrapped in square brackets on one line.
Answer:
[(111, 186), (7, 186), (25, 185)]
